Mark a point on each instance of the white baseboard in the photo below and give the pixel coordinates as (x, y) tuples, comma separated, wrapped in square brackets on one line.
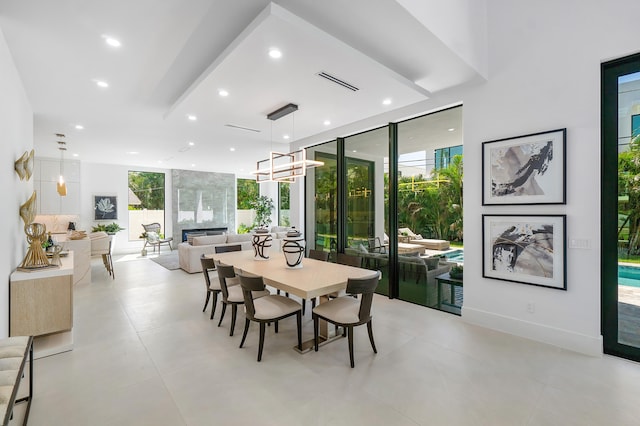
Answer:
[(588, 345)]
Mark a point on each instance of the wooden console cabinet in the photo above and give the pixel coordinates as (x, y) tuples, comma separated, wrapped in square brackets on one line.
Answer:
[(41, 304)]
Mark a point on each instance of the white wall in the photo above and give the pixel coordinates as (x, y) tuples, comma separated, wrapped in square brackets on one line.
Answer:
[(16, 130)]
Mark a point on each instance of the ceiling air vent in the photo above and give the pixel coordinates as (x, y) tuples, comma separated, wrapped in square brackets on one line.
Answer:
[(336, 80), (233, 126)]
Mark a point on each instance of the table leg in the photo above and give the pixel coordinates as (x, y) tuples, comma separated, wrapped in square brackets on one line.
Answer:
[(324, 335)]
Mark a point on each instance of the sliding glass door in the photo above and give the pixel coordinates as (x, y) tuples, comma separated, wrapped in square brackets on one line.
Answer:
[(621, 207), (380, 191)]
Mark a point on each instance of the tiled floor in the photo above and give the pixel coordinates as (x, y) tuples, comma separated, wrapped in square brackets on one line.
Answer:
[(145, 354)]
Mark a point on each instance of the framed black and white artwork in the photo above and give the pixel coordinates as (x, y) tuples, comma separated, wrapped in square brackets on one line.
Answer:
[(105, 207), (528, 249), (527, 169)]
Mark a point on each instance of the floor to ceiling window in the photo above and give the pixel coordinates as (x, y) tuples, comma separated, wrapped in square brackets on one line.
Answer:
[(429, 208), (621, 207), (146, 202), (322, 185), (367, 229), (353, 206)]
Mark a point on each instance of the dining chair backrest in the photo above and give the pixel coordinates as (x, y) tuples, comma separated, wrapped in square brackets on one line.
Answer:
[(207, 265), (349, 259), (226, 249), (364, 287), (224, 272), (319, 255), (250, 283)]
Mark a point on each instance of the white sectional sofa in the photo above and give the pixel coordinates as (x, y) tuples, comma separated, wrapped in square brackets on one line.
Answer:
[(189, 252)]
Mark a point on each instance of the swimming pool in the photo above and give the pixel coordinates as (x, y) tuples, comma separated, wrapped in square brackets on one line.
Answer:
[(458, 256), (629, 275)]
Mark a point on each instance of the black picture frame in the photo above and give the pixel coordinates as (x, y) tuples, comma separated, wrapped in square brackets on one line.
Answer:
[(527, 249), (105, 207), (527, 169)]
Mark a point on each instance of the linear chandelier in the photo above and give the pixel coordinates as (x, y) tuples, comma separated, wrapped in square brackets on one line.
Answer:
[(284, 167), (280, 166)]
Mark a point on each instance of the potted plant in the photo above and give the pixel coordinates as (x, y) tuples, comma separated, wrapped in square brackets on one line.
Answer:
[(110, 228), (456, 272), (263, 206)]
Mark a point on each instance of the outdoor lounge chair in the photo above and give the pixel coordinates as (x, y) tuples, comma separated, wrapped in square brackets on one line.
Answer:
[(428, 243)]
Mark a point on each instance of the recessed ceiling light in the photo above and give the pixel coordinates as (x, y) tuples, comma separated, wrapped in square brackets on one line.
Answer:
[(75, 154), (451, 129), (133, 152), (193, 165), (191, 143), (101, 83), (285, 136), (354, 151), (192, 117), (232, 149), (326, 122), (386, 102), (113, 42), (223, 93), (275, 53), (79, 126)]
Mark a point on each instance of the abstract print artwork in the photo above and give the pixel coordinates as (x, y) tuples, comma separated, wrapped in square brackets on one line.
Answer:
[(105, 207), (526, 169), (525, 249)]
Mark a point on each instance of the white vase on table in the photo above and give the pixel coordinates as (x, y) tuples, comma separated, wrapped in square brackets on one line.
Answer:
[(261, 242), (293, 248)]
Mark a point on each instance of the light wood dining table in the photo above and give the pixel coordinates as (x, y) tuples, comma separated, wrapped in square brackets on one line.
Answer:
[(314, 279)]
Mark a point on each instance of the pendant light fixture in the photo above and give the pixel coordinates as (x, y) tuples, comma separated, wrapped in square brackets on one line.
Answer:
[(284, 167), (61, 186)]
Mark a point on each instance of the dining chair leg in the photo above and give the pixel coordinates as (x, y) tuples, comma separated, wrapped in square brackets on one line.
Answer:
[(299, 317), (315, 332), (224, 309), (261, 343), (234, 313), (215, 303), (370, 330), (246, 330), (304, 305), (206, 302), (350, 338)]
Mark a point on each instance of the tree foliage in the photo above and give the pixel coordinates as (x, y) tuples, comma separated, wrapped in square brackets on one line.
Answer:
[(629, 185), (248, 191), (433, 209), (149, 188)]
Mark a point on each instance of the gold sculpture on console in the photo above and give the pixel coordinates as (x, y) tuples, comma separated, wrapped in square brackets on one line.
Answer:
[(36, 257)]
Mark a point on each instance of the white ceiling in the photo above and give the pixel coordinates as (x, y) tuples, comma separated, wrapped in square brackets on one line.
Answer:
[(177, 54)]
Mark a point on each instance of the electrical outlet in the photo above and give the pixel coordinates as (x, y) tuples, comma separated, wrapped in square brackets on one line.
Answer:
[(531, 307)]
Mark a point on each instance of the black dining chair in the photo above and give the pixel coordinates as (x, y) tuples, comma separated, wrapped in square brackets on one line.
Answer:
[(227, 249), (267, 309), (213, 288), (232, 292), (348, 312)]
